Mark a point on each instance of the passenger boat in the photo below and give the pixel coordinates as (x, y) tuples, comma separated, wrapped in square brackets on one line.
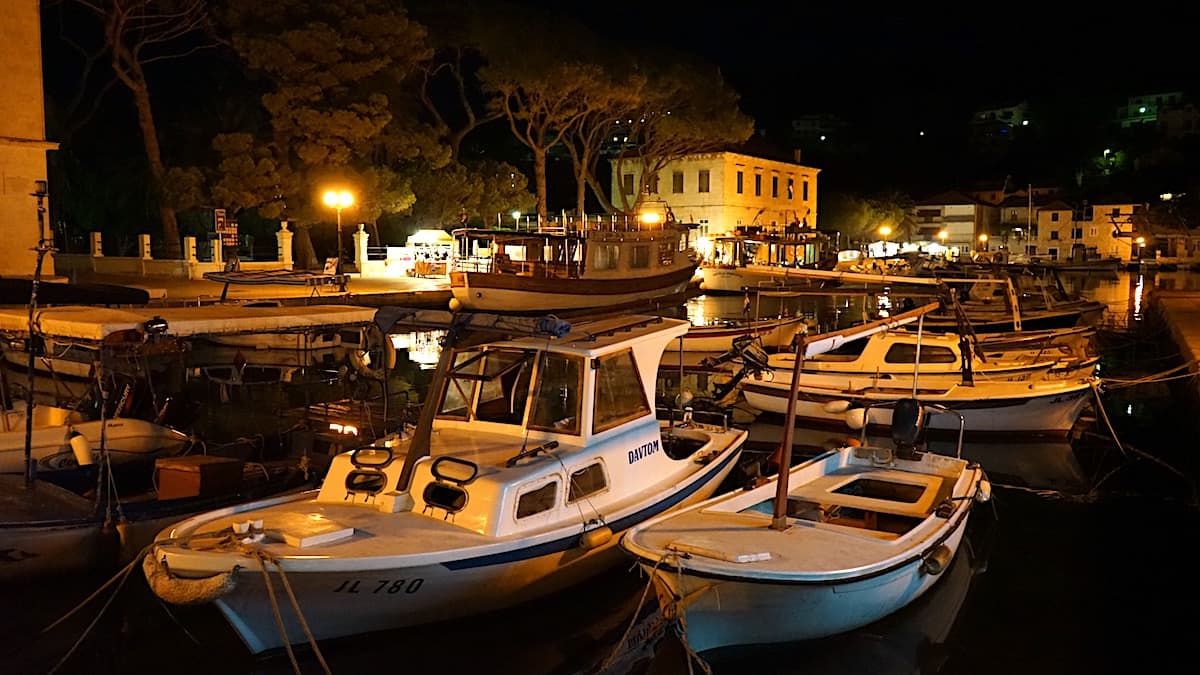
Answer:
[(754, 254), (529, 459), (584, 266), (829, 545)]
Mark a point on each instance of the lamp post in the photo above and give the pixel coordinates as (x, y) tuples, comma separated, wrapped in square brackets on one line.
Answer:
[(516, 220), (1141, 242), (884, 231), (338, 200), (983, 239)]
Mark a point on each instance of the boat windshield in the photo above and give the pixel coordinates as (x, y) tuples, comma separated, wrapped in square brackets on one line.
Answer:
[(494, 385)]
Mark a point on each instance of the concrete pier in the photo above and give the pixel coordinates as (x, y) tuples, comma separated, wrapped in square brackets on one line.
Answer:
[(1180, 312)]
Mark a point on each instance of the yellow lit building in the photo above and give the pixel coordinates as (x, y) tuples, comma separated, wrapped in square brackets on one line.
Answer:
[(23, 142), (722, 190), (1104, 229)]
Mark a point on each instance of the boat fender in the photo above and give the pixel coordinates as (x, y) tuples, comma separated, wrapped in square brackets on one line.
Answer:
[(81, 447), (378, 357), (937, 561), (595, 538), (856, 418), (837, 407), (984, 493), (179, 591)]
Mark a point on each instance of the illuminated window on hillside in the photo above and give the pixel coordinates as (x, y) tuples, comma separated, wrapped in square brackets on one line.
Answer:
[(677, 182), (606, 256), (640, 258), (620, 396), (702, 186), (740, 181)]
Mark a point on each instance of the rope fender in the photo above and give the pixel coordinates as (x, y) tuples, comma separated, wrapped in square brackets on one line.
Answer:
[(180, 591)]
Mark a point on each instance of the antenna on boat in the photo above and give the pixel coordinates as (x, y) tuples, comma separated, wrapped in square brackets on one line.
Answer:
[(43, 247)]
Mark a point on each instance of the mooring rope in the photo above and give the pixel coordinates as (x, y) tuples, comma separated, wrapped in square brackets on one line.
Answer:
[(287, 644), (264, 556), (612, 657)]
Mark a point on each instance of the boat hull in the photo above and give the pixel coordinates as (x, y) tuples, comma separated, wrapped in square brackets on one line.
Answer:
[(775, 333), (484, 291), (727, 612), (125, 439), (720, 279), (1051, 414)]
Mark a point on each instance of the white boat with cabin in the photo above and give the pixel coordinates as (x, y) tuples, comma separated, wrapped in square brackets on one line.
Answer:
[(530, 458)]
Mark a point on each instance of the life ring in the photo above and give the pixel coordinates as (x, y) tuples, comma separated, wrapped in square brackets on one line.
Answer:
[(376, 356)]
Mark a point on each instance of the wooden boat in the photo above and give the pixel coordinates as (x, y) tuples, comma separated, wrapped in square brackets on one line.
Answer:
[(584, 267), (832, 544), (753, 254), (530, 457), (771, 333)]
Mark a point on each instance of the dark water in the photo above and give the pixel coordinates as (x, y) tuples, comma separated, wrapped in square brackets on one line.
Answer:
[(1083, 565)]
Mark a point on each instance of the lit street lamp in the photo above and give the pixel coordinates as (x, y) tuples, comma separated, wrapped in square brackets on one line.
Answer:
[(983, 239), (1141, 242), (339, 200), (516, 220)]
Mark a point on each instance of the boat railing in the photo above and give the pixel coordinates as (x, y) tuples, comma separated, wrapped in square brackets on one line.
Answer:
[(524, 268)]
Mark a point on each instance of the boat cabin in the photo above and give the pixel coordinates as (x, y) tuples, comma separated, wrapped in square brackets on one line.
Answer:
[(528, 432), (792, 245)]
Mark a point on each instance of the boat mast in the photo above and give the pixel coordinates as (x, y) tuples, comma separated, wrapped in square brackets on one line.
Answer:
[(43, 247), (779, 521)]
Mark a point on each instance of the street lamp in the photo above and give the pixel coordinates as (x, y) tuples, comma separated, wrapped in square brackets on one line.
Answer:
[(983, 239), (339, 199), (516, 220), (943, 235), (1141, 242)]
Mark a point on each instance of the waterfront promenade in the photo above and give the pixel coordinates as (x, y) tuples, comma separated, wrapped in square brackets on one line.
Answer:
[(370, 292), (1180, 312)]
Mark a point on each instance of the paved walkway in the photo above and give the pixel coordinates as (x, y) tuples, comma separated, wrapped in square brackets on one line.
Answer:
[(374, 292), (1180, 310)]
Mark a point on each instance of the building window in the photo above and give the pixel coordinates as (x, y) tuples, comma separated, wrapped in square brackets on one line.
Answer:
[(1054, 217), (703, 183), (1092, 231), (804, 191), (652, 184), (1077, 233), (1116, 211), (758, 185), (1054, 234), (775, 187), (740, 180), (677, 182), (1053, 253), (627, 184), (791, 188)]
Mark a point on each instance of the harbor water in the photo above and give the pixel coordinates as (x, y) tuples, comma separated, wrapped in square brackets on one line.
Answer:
[(1080, 563)]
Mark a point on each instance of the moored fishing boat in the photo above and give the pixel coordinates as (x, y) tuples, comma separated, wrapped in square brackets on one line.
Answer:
[(718, 336), (530, 457), (834, 543)]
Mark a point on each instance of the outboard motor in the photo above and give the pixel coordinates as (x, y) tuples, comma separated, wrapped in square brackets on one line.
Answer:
[(908, 421)]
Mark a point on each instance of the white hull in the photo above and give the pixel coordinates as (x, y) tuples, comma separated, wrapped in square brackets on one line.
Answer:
[(341, 597), (1052, 413), (292, 341), (738, 279), (125, 439), (775, 333), (736, 612)]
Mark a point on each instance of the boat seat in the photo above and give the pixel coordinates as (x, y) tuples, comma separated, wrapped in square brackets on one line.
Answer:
[(823, 491)]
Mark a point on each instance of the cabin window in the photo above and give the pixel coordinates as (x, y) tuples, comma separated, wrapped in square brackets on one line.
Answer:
[(537, 501), (459, 392), (607, 256), (556, 399), (620, 396), (640, 258), (907, 353), (586, 482), (368, 481), (677, 182), (666, 255), (741, 179), (503, 395), (704, 180)]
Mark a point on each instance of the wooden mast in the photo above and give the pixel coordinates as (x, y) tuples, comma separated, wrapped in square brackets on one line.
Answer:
[(779, 521)]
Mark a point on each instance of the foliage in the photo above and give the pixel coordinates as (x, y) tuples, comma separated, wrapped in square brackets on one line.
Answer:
[(859, 218)]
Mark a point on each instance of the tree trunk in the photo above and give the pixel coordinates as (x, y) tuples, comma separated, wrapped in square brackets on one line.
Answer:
[(539, 172), (170, 227), (306, 255)]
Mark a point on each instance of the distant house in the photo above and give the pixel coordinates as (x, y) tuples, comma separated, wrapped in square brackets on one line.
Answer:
[(1104, 228), (963, 218), (722, 190)]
